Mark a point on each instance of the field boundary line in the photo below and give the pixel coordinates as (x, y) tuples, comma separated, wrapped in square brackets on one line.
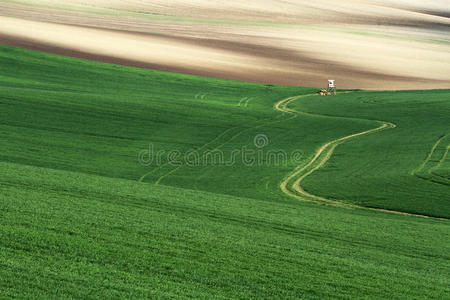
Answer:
[(296, 191)]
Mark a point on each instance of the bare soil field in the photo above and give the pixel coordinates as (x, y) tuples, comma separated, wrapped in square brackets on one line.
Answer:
[(360, 43)]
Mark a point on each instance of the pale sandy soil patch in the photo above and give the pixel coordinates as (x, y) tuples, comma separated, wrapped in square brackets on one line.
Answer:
[(360, 43)]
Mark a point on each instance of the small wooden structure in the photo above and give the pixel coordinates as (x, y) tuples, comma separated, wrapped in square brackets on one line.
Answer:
[(331, 87)]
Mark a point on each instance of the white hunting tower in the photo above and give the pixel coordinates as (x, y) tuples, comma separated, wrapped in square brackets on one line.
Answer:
[(331, 86)]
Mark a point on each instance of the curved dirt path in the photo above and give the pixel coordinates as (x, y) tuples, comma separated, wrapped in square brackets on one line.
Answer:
[(291, 185)]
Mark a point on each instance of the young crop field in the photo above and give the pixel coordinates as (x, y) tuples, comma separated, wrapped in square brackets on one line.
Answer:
[(124, 182), (401, 168)]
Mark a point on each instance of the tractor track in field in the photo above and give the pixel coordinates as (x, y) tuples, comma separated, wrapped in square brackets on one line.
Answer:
[(262, 124), (442, 180), (291, 184), (141, 179)]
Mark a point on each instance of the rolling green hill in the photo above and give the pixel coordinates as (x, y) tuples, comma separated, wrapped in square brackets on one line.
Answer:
[(401, 169), (92, 206)]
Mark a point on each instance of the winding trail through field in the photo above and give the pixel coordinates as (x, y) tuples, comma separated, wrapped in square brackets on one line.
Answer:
[(291, 185)]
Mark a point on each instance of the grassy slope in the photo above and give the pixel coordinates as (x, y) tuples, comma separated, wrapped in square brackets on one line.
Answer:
[(376, 170), (96, 118), (75, 221), (73, 234)]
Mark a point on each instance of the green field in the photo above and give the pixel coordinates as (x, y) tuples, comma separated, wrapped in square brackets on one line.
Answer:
[(81, 216), (392, 169)]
